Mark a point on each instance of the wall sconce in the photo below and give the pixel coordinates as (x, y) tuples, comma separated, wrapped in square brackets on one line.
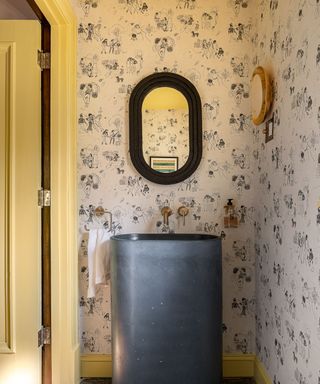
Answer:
[(261, 95)]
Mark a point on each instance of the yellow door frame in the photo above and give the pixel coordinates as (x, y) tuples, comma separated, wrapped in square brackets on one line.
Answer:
[(65, 344)]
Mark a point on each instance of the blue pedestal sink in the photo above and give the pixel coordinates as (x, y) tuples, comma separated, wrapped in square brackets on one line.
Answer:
[(166, 309)]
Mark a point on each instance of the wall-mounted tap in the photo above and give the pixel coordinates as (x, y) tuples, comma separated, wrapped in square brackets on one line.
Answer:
[(166, 212), (183, 211)]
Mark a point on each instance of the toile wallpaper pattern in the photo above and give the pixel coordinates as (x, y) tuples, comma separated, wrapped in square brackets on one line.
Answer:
[(271, 265), (119, 43), (287, 185)]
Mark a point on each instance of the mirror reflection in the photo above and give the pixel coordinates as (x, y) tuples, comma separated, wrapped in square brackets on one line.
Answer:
[(165, 129)]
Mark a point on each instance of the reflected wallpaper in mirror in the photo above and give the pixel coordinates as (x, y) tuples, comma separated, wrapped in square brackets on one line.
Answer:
[(165, 129)]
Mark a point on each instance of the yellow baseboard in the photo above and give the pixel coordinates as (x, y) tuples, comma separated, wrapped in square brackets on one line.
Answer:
[(260, 373), (238, 365), (233, 366), (96, 366)]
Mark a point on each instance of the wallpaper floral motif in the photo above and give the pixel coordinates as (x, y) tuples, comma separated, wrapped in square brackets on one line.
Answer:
[(208, 42), (287, 184)]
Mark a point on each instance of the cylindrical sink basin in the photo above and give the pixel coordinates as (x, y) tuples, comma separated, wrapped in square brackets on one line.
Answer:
[(166, 309)]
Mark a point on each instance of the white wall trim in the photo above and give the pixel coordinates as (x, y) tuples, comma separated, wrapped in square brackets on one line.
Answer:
[(233, 366)]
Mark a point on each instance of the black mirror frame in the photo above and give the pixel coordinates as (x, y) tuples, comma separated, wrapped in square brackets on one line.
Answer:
[(165, 79)]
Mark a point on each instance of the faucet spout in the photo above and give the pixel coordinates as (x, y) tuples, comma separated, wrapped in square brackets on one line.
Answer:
[(166, 212)]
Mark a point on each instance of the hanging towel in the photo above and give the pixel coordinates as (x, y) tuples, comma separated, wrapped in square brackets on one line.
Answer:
[(98, 259)]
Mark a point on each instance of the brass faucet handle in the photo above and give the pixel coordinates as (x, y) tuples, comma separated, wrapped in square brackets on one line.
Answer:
[(183, 211), (166, 211)]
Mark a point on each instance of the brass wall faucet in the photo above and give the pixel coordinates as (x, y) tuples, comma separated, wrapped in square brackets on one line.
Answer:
[(183, 211), (166, 212)]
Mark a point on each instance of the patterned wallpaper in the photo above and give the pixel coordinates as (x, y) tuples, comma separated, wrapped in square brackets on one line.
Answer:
[(287, 184), (208, 42), (271, 262)]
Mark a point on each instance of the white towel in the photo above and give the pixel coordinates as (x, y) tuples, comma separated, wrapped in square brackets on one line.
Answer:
[(98, 259)]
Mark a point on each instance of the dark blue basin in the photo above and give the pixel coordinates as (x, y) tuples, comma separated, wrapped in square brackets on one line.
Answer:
[(166, 309)]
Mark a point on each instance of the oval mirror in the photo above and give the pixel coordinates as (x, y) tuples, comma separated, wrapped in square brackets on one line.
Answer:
[(165, 128)]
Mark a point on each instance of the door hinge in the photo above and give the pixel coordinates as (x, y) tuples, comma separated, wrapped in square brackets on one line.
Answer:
[(44, 336), (44, 198), (44, 59)]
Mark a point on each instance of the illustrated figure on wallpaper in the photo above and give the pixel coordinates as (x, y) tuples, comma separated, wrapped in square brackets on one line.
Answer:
[(218, 170), (238, 4), (276, 204), (240, 31), (111, 156), (304, 344), (274, 42), (239, 123), (240, 342), (86, 5), (211, 202), (88, 66), (90, 32), (239, 91), (240, 159), (241, 183), (279, 351), (186, 4), (276, 155), (278, 315), (89, 91), (210, 227), (278, 233), (111, 66), (303, 201), (302, 104), (163, 20), (111, 46), (278, 271), (241, 276), (209, 20), (211, 110), (288, 74), (88, 342), (286, 49), (318, 216), (240, 66), (89, 156), (135, 6), (190, 184), (289, 173), (137, 33), (290, 303), (88, 183), (241, 249), (90, 122), (163, 45), (134, 64), (209, 48), (188, 21)]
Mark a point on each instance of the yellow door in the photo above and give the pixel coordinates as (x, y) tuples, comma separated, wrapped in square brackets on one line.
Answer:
[(20, 178)]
